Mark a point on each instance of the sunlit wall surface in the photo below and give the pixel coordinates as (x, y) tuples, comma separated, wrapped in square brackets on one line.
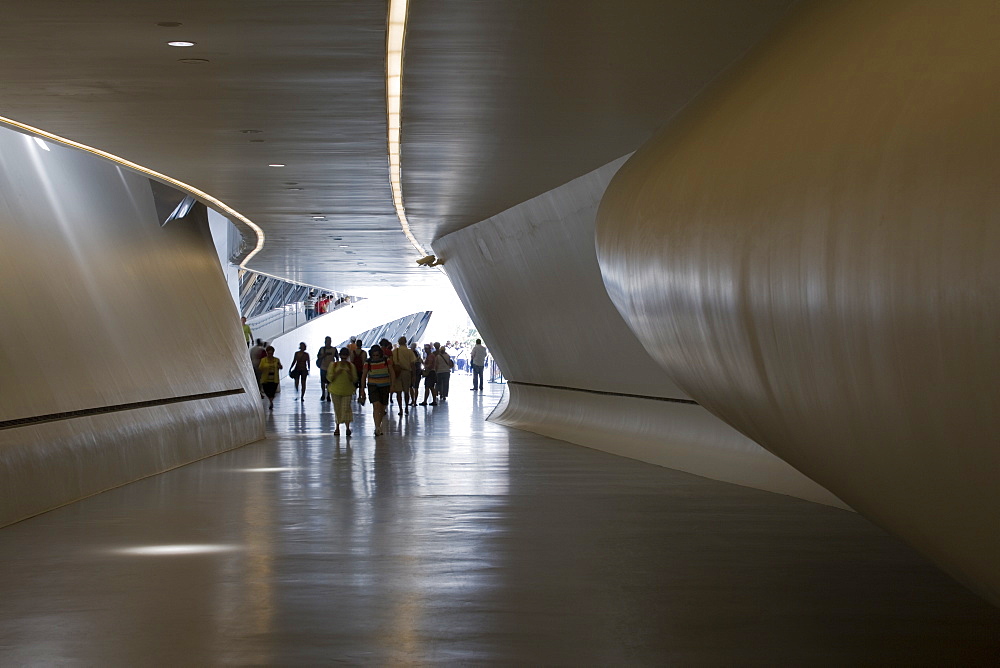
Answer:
[(120, 343), (530, 279), (811, 251)]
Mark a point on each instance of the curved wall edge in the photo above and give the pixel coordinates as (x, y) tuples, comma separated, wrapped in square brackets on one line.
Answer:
[(677, 436), (811, 252), (529, 279), (105, 309), (251, 233)]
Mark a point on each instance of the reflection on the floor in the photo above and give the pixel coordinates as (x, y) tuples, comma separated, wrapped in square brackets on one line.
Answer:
[(454, 540)]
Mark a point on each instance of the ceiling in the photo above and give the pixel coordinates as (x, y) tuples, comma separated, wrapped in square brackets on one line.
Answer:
[(502, 101)]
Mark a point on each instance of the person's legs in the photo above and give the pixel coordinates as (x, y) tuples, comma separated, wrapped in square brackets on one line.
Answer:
[(342, 409), (443, 381), (378, 412), (402, 389), (429, 387), (269, 390), (302, 396), (477, 377), (379, 399)]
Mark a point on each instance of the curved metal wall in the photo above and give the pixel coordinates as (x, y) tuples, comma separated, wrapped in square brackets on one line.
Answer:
[(811, 252), (120, 347), (529, 278)]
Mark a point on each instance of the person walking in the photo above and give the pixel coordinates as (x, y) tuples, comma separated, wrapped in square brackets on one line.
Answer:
[(443, 365), (309, 304), (387, 352), (402, 365), (358, 358), (247, 334), (478, 360), (342, 381), (300, 370), (256, 355), (430, 375), (418, 368), (378, 377), (324, 358), (269, 367)]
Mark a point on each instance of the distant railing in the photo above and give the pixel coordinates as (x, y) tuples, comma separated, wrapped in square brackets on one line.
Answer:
[(496, 375), (269, 326)]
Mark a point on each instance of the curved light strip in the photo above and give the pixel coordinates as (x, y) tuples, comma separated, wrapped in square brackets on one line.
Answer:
[(393, 92), (149, 172)]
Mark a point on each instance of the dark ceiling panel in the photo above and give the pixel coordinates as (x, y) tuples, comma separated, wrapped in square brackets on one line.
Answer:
[(503, 101)]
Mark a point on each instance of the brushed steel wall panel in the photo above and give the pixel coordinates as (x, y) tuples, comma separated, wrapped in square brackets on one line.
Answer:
[(678, 436), (811, 251), (529, 279), (102, 307)]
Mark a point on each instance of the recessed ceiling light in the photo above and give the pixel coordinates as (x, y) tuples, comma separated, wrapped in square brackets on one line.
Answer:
[(291, 183), (319, 217), (344, 246), (180, 43), (169, 24), (338, 238), (193, 61), (256, 141), (251, 132), (293, 188), (276, 165)]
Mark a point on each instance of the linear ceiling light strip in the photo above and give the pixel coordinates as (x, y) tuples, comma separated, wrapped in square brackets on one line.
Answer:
[(393, 89), (205, 197)]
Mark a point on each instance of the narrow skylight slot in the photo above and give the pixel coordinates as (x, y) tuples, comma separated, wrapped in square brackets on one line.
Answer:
[(393, 92)]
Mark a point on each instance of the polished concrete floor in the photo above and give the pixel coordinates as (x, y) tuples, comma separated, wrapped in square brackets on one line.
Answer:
[(452, 540)]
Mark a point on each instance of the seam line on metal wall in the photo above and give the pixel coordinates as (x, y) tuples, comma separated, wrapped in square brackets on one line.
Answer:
[(86, 412), (610, 394)]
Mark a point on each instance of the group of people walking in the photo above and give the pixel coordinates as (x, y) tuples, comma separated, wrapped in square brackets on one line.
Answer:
[(379, 374), (318, 305)]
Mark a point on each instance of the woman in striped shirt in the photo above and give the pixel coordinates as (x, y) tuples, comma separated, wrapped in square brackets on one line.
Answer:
[(378, 377)]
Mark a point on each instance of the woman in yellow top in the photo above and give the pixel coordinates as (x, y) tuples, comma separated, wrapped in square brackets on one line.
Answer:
[(269, 367), (342, 379)]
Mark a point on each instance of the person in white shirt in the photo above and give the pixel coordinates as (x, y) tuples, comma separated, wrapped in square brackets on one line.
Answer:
[(477, 357), (309, 304)]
